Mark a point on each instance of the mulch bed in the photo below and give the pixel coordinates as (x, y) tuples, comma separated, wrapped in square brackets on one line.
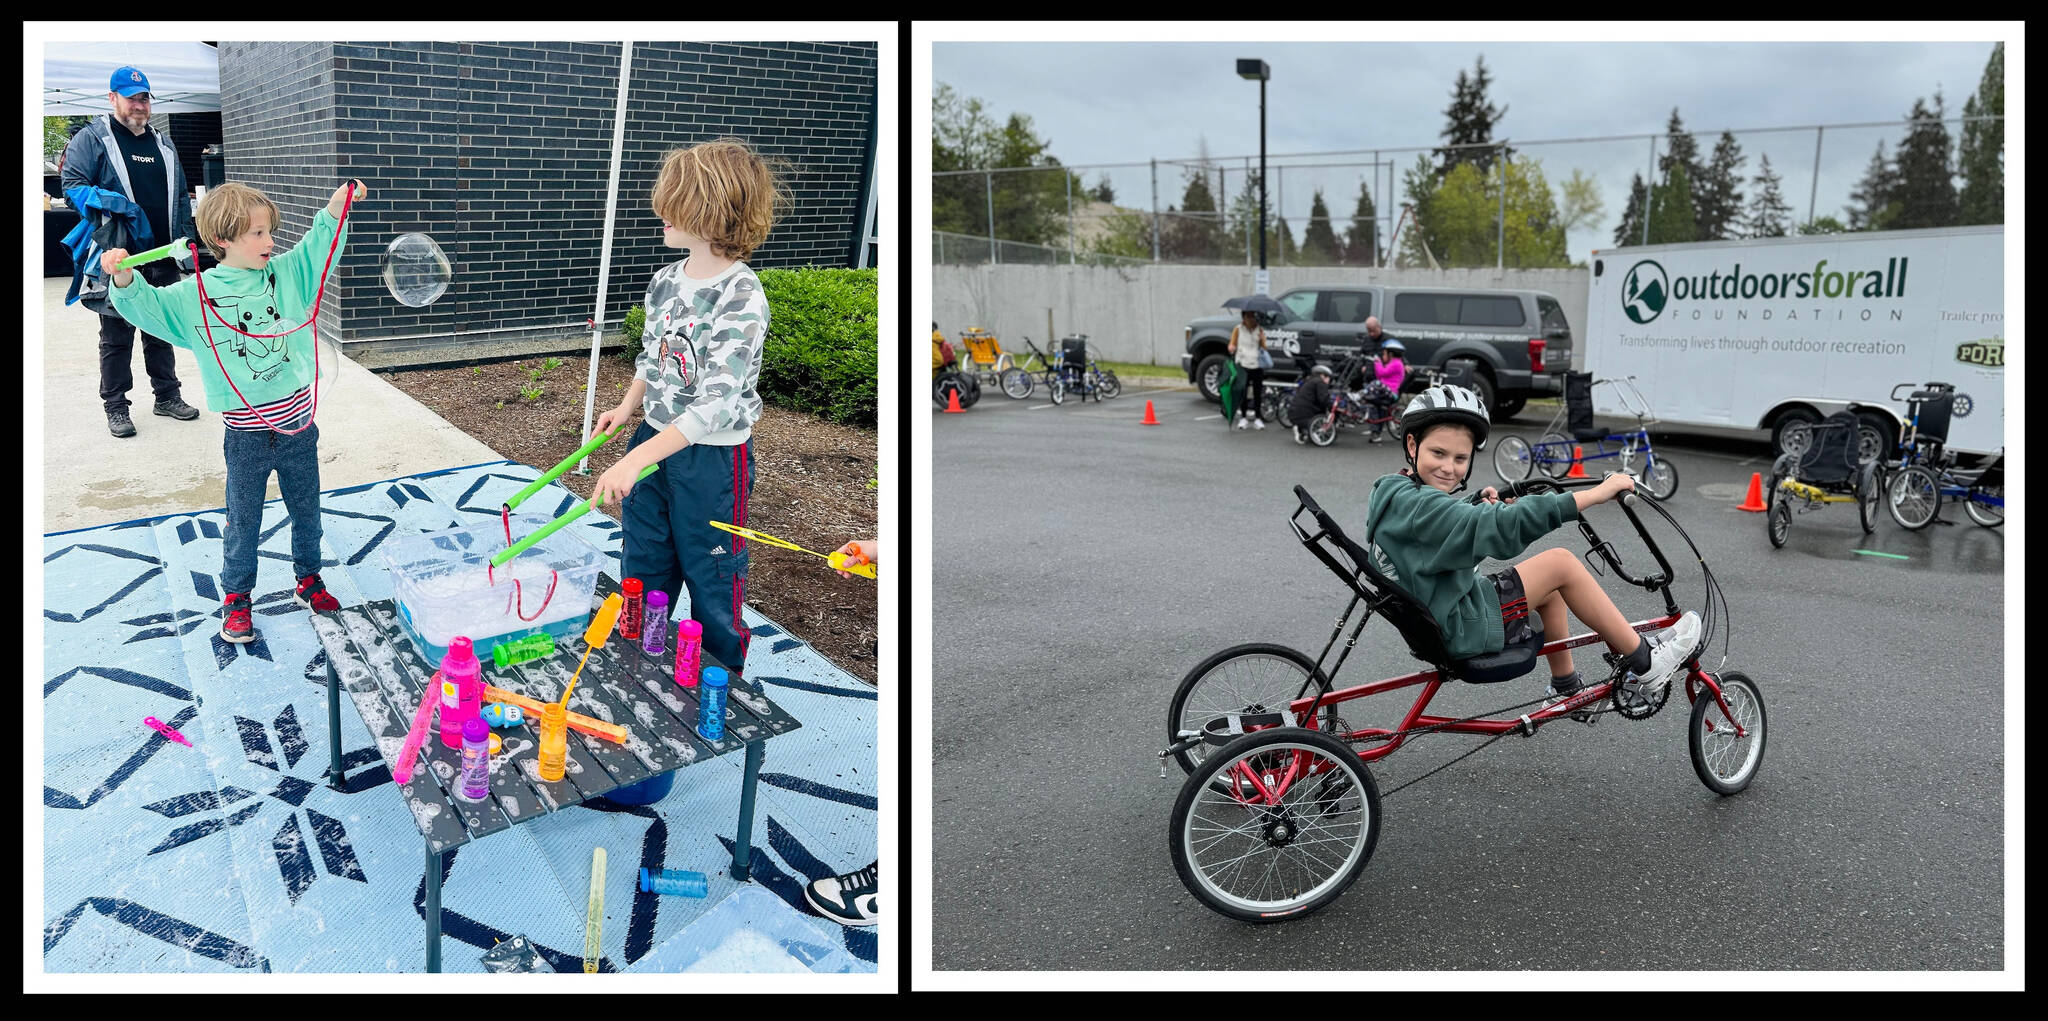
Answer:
[(811, 485)]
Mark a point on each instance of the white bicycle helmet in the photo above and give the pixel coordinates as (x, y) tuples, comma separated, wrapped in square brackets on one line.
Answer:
[(1390, 344), (1320, 369), (1445, 402)]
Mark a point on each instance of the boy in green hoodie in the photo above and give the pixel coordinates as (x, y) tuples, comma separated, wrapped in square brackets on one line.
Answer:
[(1429, 542), (258, 367)]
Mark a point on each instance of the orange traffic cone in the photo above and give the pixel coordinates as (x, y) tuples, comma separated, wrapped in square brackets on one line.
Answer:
[(1578, 465), (953, 402), (1149, 418), (1755, 500)]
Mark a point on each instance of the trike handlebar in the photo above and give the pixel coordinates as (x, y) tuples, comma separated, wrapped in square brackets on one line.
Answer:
[(1604, 549)]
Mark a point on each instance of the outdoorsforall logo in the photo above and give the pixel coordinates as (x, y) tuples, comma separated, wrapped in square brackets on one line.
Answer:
[(1645, 291), (1988, 353)]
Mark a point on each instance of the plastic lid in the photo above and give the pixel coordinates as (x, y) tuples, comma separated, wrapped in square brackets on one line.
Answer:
[(475, 729), (715, 676), (460, 662), (657, 598), (631, 586), (645, 886), (690, 629)]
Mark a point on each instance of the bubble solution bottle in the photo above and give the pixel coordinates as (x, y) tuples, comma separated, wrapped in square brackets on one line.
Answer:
[(674, 882), (554, 740), (462, 690), (711, 722), (689, 642), (476, 760), (629, 615), (655, 628)]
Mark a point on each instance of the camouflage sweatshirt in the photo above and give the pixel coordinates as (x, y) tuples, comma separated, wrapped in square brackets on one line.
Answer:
[(700, 353)]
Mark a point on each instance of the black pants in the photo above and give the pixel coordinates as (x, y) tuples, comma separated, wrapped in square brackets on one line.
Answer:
[(1254, 391), (117, 350)]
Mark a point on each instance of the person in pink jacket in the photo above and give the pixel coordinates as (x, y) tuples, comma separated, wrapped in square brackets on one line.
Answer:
[(1390, 370)]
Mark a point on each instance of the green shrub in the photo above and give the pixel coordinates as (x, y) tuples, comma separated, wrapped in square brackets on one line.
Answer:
[(819, 356)]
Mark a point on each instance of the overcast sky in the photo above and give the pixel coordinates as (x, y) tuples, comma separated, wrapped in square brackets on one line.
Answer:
[(1112, 102)]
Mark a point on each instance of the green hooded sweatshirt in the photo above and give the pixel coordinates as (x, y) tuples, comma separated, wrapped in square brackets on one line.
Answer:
[(273, 299), (1430, 542)]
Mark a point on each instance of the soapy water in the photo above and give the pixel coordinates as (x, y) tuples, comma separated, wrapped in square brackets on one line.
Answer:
[(415, 270), (466, 602)]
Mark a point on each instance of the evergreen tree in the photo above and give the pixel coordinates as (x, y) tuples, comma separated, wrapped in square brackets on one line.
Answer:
[(1720, 201), (1420, 184), (1926, 193), (1102, 192), (1471, 119), (1029, 207), (1631, 230), (1195, 235), (1319, 238), (1671, 213), (1362, 242), (1982, 161), (1680, 150), (1769, 215), (1874, 204)]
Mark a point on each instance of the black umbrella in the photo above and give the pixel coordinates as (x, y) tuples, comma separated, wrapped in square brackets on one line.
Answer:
[(1258, 303)]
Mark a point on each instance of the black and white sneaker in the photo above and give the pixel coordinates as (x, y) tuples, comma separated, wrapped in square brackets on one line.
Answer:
[(847, 899)]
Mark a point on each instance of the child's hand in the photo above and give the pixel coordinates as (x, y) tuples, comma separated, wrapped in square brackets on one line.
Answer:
[(111, 258), (1617, 485), (859, 552), (341, 195), (613, 486), (605, 422)]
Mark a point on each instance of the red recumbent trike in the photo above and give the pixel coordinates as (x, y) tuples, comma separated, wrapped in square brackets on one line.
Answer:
[(1279, 812)]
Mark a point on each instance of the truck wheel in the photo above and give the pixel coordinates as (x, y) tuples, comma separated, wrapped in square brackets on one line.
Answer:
[(1509, 408), (1794, 420), (1480, 383), (1209, 376)]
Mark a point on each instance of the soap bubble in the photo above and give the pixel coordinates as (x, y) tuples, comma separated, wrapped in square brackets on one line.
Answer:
[(415, 269)]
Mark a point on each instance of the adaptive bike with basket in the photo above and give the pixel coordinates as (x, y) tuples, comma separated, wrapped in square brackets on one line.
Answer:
[(986, 360), (1514, 458), (1280, 811)]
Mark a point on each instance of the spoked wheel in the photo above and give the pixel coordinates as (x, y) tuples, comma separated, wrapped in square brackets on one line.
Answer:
[(1056, 388), (1255, 678), (1275, 825), (1017, 383), (1394, 430), (1661, 477), (1725, 762), (1275, 407), (1553, 455), (1780, 521), (1913, 497), (1111, 386), (1985, 514), (1511, 459), (1866, 499), (1322, 430)]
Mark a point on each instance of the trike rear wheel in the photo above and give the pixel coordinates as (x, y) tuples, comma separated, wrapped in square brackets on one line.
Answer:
[(1017, 383), (1725, 762), (1983, 513), (1255, 677), (1511, 459), (1553, 455), (1914, 497), (1276, 825)]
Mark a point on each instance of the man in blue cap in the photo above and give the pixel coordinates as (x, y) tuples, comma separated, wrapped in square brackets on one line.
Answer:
[(116, 158)]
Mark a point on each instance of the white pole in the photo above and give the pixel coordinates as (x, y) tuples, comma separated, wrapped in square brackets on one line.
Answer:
[(604, 263)]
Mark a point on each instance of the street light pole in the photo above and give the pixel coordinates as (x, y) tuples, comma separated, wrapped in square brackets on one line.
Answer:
[(1258, 70)]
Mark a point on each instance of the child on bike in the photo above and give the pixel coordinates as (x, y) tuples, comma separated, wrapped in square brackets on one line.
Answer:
[(246, 339), (1310, 399), (1429, 542), (1391, 372)]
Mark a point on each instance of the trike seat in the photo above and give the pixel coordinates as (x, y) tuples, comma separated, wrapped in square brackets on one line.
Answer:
[(1408, 614)]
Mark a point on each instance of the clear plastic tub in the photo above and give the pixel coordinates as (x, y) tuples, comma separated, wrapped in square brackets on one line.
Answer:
[(444, 586)]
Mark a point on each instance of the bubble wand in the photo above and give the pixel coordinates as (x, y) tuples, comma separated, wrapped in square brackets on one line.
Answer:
[(593, 638), (838, 560)]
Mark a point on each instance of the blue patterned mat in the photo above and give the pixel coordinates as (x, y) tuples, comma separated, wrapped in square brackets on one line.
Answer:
[(234, 855)]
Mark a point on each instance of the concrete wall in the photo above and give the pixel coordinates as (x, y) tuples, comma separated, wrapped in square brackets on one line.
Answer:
[(1139, 314)]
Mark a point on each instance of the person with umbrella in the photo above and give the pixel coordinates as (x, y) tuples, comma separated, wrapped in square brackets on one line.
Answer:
[(1249, 358)]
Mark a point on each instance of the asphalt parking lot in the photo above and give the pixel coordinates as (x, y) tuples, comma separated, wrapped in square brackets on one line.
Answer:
[(1085, 562)]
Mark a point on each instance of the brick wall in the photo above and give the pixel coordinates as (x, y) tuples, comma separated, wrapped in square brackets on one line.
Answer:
[(501, 152)]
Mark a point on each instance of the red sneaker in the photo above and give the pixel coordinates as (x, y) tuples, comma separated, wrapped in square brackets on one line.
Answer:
[(312, 592), (238, 629)]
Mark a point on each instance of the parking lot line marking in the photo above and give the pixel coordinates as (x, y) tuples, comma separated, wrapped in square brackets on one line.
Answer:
[(1874, 553), (1205, 418), (1041, 407)]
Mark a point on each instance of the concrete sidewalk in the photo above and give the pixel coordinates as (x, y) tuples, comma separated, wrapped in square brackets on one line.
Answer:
[(369, 431)]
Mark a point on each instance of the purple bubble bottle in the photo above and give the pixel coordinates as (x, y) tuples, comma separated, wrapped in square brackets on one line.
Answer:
[(654, 630), (476, 760)]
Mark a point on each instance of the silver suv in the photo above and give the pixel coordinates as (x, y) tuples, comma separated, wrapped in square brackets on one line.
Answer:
[(1517, 343)]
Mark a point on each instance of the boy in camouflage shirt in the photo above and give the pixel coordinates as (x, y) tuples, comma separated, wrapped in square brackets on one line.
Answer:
[(695, 378)]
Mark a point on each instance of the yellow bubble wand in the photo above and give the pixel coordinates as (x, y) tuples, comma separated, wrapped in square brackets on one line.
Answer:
[(839, 561)]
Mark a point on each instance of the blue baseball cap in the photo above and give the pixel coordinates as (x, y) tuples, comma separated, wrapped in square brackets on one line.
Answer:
[(128, 81)]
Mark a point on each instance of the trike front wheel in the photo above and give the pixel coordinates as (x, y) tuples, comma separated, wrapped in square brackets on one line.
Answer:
[(1779, 518), (1511, 460), (1661, 476), (1017, 383), (1914, 497), (1276, 825), (1111, 386), (1257, 677), (1985, 514), (1725, 761)]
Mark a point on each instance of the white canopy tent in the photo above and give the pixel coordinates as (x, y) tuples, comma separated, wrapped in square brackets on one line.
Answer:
[(183, 77)]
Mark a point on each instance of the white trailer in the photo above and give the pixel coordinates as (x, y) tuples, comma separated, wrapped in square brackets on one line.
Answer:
[(1731, 337)]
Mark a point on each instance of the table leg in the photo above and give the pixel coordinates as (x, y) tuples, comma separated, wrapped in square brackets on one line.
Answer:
[(336, 778), (433, 910), (743, 841)]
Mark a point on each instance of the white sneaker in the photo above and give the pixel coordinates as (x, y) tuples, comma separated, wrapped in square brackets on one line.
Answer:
[(1240, 423), (1668, 648), (1258, 423)]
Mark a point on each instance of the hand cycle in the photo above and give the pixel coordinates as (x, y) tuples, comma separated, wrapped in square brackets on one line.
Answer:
[(1280, 811), (1033, 371)]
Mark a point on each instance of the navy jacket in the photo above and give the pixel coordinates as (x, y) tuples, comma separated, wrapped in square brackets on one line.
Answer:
[(86, 163)]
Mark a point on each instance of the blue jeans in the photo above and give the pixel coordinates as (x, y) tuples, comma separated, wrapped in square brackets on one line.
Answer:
[(670, 545), (251, 457)]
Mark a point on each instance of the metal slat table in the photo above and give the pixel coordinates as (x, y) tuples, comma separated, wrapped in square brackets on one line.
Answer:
[(370, 656)]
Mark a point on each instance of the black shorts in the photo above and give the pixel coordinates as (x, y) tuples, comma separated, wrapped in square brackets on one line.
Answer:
[(1515, 615)]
